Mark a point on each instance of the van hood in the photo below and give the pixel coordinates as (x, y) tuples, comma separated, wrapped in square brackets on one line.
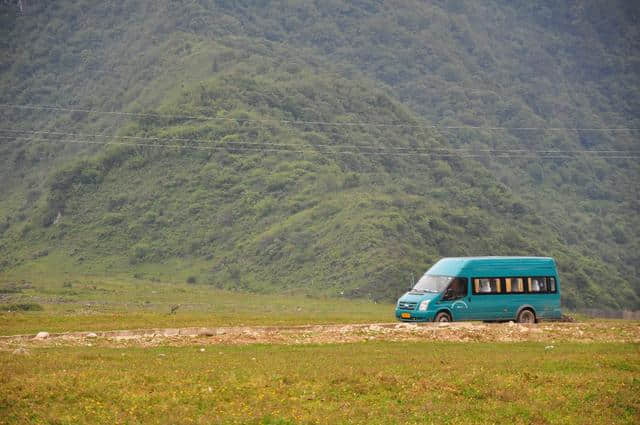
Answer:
[(416, 297)]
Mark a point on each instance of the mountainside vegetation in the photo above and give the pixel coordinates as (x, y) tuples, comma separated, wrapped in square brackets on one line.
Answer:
[(328, 147)]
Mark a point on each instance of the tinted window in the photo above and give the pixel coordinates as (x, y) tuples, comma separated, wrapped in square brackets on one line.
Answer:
[(537, 284), (551, 284), (487, 286), (514, 284), (457, 289)]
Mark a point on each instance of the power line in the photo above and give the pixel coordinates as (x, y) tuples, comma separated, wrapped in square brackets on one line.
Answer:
[(327, 123), (510, 155), (292, 145), (200, 141), (372, 149)]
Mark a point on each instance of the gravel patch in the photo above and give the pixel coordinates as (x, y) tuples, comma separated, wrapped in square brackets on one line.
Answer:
[(549, 333)]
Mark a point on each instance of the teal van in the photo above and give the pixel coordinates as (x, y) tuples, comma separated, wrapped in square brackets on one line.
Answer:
[(524, 289)]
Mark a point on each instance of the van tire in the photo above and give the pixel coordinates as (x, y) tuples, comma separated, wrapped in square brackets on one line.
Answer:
[(526, 315), (443, 316)]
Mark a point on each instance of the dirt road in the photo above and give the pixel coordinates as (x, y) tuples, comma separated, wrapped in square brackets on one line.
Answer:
[(605, 331)]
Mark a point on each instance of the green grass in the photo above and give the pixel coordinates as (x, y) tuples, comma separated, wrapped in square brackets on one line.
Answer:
[(95, 303), (372, 382)]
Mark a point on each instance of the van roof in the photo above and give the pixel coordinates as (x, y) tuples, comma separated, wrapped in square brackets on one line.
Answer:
[(494, 266)]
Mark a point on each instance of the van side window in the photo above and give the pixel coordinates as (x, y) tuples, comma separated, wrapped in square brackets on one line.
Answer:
[(551, 284), (487, 286), (457, 289), (514, 285), (543, 285), (537, 284), (496, 286)]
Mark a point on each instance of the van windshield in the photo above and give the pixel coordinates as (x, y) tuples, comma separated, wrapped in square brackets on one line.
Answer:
[(431, 283)]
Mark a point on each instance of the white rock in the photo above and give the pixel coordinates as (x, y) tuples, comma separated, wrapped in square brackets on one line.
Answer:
[(91, 335), (202, 350), (406, 325), (21, 351), (549, 347), (42, 335)]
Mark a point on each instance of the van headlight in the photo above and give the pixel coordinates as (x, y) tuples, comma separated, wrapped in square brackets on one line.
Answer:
[(424, 305)]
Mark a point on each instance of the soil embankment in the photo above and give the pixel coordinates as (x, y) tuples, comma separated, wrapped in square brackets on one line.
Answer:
[(605, 331)]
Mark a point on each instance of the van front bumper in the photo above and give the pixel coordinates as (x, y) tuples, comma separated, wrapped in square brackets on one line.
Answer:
[(414, 316)]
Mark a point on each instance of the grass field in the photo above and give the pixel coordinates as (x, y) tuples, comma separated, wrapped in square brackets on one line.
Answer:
[(373, 383), (99, 303)]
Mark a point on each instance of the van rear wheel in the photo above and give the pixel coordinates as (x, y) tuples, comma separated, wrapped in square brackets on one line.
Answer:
[(442, 317), (526, 316)]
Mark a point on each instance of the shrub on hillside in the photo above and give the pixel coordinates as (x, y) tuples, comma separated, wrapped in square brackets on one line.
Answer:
[(21, 307), (112, 218), (139, 252), (4, 225)]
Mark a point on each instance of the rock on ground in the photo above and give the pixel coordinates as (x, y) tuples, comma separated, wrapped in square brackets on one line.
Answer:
[(42, 335)]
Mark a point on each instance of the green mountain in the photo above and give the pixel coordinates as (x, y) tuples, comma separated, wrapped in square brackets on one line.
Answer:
[(326, 147)]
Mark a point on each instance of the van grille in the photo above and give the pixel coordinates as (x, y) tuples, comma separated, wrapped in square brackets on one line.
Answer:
[(403, 305)]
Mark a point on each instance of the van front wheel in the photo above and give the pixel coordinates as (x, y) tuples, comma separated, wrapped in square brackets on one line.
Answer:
[(442, 317), (526, 316)]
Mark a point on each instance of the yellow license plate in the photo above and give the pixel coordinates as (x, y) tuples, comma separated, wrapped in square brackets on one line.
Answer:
[(406, 316)]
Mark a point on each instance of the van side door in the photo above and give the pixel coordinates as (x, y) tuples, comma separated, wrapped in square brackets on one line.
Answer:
[(455, 297), (487, 298)]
